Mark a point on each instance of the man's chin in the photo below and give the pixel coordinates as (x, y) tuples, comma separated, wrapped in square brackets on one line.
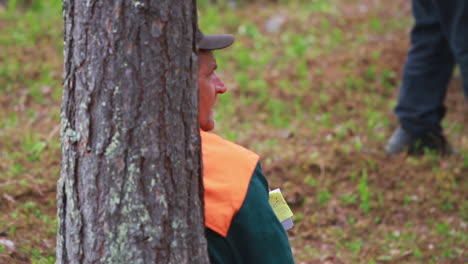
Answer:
[(208, 125)]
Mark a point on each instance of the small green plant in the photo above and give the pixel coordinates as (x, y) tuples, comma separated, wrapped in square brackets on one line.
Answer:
[(376, 24), (324, 97), (407, 200), (418, 253), (340, 132), (30, 205), (320, 6), (349, 198), (12, 121), (324, 196), (371, 73), (448, 253), (337, 35), (298, 217), (388, 79), (300, 46), (378, 220), (355, 246), (385, 258), (12, 230), (302, 69), (33, 148), (447, 205), (311, 181), (2, 249), (358, 144), (442, 228), (372, 164), (250, 30), (465, 160), (298, 108), (464, 210), (44, 260), (364, 193), (278, 108), (354, 175), (325, 119), (16, 169), (36, 253)]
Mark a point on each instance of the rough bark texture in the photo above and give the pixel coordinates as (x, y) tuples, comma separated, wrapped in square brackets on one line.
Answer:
[(130, 189)]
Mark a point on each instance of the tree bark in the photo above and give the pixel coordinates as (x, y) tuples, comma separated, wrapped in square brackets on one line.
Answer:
[(130, 188)]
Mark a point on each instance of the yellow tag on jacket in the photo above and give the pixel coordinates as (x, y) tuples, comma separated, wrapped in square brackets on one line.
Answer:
[(227, 170)]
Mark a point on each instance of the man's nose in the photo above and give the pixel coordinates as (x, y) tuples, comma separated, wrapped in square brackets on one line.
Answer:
[(219, 85)]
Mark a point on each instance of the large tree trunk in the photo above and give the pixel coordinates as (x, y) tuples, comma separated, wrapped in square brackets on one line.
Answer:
[(130, 189)]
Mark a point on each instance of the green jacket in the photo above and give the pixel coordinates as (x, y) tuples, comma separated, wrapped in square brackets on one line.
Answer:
[(255, 235)]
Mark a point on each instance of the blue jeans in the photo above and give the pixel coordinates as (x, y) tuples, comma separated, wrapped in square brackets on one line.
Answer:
[(439, 40)]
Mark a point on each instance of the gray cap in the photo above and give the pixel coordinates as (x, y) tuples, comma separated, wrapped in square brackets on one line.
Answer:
[(214, 42)]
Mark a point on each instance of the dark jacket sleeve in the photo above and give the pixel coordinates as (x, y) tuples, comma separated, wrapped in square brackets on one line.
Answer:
[(255, 235)]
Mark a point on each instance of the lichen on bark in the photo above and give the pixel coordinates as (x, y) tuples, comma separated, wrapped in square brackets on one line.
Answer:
[(130, 188)]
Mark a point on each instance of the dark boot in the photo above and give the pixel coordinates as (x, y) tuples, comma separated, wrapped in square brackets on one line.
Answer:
[(402, 141)]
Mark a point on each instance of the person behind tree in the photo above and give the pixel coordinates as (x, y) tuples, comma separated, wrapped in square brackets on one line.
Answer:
[(240, 225)]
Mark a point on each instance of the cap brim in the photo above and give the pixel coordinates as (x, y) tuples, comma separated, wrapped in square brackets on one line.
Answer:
[(215, 42)]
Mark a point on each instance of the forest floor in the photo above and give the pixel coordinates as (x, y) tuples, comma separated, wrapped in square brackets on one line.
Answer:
[(312, 86)]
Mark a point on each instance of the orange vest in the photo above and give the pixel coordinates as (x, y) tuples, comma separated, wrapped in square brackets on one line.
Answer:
[(227, 169)]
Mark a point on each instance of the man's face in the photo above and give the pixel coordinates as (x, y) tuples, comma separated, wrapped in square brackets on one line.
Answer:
[(209, 86)]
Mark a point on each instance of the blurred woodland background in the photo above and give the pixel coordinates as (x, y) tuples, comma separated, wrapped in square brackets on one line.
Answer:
[(312, 86)]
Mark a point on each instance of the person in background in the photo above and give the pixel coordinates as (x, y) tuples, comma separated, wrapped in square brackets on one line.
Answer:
[(439, 40), (240, 225)]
